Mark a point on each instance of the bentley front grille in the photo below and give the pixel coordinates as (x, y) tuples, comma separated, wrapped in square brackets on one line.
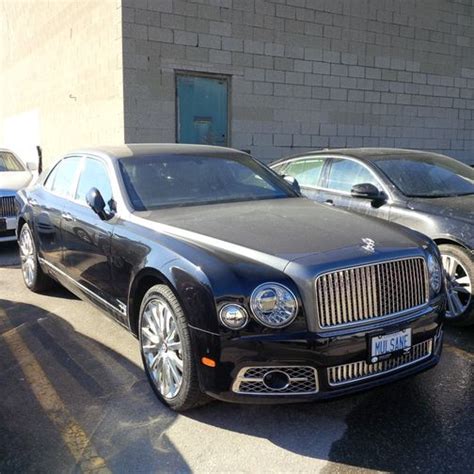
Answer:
[(7, 206), (356, 371), (360, 294), (285, 380)]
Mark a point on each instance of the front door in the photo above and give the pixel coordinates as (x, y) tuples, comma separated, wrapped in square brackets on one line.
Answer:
[(87, 239), (342, 175), (202, 110)]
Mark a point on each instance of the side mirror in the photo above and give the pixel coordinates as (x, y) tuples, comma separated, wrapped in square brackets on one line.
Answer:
[(293, 182), (31, 166), (367, 191), (96, 202)]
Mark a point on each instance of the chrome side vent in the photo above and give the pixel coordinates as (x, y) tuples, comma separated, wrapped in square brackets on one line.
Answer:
[(7, 206), (359, 294), (356, 371)]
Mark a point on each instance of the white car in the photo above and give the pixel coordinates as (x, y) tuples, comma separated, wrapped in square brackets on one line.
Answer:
[(13, 177)]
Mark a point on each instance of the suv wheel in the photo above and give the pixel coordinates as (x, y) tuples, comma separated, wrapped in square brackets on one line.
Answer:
[(458, 264), (166, 350)]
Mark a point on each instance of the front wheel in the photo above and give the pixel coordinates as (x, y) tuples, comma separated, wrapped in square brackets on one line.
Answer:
[(166, 350), (458, 265)]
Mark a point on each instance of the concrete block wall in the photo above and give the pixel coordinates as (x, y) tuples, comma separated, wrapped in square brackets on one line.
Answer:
[(308, 74), (61, 81)]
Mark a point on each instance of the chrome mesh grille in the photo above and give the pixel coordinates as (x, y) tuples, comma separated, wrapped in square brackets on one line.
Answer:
[(355, 371), (7, 206), (363, 293), (303, 380)]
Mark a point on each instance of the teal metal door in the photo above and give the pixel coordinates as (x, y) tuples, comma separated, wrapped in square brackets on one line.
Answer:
[(202, 110)]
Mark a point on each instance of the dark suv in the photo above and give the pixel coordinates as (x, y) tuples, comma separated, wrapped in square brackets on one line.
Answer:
[(428, 192)]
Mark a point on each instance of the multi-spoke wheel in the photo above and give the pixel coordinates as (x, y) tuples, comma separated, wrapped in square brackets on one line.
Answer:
[(459, 269), (33, 276), (166, 350)]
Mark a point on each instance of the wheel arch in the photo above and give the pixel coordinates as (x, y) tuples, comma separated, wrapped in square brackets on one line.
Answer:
[(143, 281), (450, 241)]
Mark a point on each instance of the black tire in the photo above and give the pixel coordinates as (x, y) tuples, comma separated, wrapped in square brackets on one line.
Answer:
[(37, 280), (189, 394), (466, 260)]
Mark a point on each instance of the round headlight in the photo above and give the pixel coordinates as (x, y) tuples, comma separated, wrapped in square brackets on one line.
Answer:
[(273, 305), (233, 316), (435, 273)]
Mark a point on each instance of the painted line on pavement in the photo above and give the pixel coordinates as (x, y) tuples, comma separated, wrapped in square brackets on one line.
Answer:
[(74, 437)]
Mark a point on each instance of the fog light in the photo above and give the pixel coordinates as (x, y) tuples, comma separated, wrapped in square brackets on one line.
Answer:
[(233, 316)]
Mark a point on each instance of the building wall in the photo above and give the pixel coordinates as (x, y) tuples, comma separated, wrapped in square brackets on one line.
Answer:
[(309, 73), (61, 82)]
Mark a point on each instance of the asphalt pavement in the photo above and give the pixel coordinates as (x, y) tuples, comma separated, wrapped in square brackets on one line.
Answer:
[(74, 398)]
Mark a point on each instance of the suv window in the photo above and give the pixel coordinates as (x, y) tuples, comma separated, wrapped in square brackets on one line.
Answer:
[(61, 179), (94, 175), (307, 172), (344, 174)]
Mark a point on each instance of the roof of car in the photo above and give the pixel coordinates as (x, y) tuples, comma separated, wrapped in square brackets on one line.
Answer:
[(366, 153), (149, 149)]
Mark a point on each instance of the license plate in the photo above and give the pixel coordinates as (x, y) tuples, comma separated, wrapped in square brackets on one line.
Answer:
[(3, 225), (388, 343)]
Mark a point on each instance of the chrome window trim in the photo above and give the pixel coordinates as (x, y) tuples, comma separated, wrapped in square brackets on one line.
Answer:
[(240, 378), (83, 288), (375, 319)]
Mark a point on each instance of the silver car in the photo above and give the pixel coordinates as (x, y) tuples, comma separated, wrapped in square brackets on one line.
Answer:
[(13, 177)]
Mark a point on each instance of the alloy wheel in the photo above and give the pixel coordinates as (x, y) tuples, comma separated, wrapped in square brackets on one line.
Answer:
[(162, 348), (27, 256), (459, 286)]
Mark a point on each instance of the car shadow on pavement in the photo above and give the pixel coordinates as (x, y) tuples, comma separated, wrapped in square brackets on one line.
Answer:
[(53, 378), (420, 424)]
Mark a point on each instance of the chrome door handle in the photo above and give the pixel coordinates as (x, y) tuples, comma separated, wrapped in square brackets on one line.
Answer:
[(67, 217), (329, 202)]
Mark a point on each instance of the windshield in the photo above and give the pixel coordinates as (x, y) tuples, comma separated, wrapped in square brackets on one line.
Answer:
[(154, 182), (8, 162), (427, 175)]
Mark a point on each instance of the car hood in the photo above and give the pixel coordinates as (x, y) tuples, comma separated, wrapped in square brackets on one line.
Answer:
[(289, 229), (13, 181), (456, 207)]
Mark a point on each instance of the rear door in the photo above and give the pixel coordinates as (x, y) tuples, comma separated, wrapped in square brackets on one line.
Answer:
[(87, 238), (342, 174), (48, 204)]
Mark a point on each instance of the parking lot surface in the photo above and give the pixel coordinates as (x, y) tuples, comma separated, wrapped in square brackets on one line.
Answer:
[(74, 398)]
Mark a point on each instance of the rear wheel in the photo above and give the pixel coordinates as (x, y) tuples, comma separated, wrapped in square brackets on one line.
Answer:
[(458, 265), (166, 350), (33, 276)]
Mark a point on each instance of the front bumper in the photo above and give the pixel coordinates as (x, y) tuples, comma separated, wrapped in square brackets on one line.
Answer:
[(8, 234), (302, 353)]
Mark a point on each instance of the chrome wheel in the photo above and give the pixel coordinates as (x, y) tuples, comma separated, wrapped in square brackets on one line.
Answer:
[(27, 255), (162, 348), (459, 286)]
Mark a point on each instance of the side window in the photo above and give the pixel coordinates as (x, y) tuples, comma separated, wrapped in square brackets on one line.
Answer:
[(307, 172), (62, 177), (94, 175), (280, 168), (344, 174)]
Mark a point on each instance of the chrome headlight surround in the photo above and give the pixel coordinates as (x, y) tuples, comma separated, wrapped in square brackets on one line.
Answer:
[(273, 305), (435, 273)]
